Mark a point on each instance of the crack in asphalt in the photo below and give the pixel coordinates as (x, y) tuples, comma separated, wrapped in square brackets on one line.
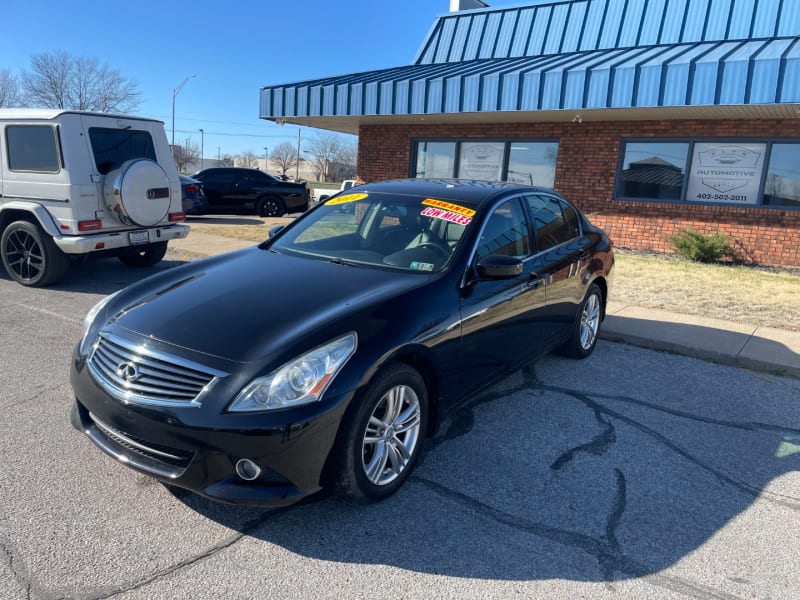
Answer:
[(605, 550), (742, 486), (17, 571)]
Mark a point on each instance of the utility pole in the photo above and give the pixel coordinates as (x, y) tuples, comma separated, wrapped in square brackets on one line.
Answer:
[(297, 164), (202, 140)]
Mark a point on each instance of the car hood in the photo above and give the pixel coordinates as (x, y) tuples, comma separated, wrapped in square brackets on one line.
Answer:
[(250, 304)]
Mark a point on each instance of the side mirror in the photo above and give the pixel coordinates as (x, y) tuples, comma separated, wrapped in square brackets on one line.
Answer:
[(499, 266), (273, 231)]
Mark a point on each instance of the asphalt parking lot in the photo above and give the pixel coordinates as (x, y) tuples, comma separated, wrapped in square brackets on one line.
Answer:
[(632, 474)]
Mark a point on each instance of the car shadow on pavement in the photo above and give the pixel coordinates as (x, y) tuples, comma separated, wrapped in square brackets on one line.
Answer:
[(209, 219), (588, 480), (104, 275)]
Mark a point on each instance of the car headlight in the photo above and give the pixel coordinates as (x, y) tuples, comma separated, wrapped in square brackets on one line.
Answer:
[(95, 310), (300, 381)]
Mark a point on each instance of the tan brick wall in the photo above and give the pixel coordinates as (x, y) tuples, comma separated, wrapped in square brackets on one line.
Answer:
[(587, 161)]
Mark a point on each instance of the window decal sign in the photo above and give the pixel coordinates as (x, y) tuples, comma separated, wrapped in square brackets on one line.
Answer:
[(726, 172), (449, 206), (438, 213), (482, 160), (347, 198)]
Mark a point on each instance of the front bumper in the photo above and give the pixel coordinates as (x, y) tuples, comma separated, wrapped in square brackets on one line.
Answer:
[(197, 447), (83, 244)]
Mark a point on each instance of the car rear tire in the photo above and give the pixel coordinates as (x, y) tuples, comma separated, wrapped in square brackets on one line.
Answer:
[(142, 256), (30, 256), (270, 207), (382, 435), (586, 327)]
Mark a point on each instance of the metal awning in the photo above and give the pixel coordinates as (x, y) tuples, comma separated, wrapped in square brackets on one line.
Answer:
[(756, 78)]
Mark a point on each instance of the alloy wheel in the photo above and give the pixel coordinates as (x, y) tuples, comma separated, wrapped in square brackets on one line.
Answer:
[(24, 255), (590, 321), (391, 435)]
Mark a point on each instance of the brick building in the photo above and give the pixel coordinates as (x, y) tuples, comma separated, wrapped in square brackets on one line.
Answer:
[(654, 116)]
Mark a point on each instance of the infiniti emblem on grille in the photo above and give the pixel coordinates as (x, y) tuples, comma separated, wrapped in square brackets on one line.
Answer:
[(128, 371)]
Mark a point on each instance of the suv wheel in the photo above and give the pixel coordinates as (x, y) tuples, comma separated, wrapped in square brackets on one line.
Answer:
[(30, 256), (142, 256)]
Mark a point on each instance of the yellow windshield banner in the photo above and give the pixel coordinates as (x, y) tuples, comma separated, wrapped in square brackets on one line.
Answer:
[(347, 198), (449, 206)]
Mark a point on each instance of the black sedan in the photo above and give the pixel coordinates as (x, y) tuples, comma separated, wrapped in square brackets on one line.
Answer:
[(325, 355), (237, 188)]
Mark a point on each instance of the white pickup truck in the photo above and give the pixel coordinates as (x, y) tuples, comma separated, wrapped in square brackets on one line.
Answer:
[(321, 194)]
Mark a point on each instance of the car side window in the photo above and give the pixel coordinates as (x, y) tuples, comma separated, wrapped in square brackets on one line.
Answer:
[(550, 224), (32, 148), (218, 179), (506, 232)]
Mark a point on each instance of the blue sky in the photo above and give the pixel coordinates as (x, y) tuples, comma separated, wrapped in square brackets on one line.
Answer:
[(233, 47)]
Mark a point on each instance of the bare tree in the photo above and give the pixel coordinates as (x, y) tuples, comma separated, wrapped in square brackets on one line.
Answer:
[(226, 160), (796, 189), (773, 185), (9, 89), (285, 154), (60, 80), (247, 159), (325, 147), (186, 155), (347, 159)]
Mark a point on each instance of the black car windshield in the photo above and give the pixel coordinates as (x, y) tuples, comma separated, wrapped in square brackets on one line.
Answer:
[(409, 233)]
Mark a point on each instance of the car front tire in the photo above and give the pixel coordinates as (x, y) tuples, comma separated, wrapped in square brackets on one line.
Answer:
[(383, 435)]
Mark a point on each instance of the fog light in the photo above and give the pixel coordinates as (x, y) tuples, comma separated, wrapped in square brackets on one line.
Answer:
[(247, 469)]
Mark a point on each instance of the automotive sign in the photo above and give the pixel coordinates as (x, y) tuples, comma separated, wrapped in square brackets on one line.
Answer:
[(729, 173)]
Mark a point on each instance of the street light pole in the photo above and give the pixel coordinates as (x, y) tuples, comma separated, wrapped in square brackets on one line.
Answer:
[(202, 143), (175, 93), (266, 158)]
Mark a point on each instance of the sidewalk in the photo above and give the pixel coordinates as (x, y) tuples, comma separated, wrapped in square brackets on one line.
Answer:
[(747, 346)]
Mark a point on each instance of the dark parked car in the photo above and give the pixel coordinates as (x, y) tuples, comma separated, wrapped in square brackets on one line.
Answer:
[(236, 188), (325, 355), (194, 200)]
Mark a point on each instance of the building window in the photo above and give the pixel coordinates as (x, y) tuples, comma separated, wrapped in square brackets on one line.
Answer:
[(653, 170), (436, 160), (782, 186), (32, 148), (734, 172), (531, 162)]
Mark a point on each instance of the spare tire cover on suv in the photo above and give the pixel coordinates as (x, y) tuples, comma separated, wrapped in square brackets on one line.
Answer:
[(138, 193)]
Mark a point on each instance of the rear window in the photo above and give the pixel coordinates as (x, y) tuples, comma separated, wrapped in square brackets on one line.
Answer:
[(32, 148), (112, 147)]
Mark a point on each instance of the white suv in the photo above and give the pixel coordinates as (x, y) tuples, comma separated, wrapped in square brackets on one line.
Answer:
[(75, 184)]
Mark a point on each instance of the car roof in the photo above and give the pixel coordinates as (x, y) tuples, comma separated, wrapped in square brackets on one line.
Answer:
[(52, 113), (462, 190)]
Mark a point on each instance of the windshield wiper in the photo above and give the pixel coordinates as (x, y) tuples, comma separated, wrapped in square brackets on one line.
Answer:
[(339, 261)]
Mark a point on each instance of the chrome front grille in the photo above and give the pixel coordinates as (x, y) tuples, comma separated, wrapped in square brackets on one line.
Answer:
[(137, 373)]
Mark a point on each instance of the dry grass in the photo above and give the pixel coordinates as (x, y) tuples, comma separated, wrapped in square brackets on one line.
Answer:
[(737, 293)]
